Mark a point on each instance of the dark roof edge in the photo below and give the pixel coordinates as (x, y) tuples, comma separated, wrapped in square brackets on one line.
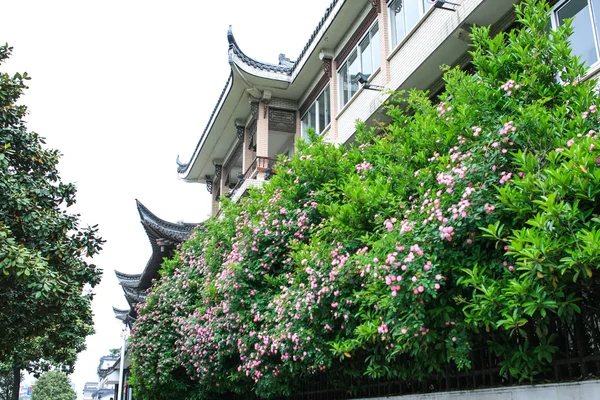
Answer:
[(148, 216), (315, 33), (184, 167), (122, 275), (285, 65)]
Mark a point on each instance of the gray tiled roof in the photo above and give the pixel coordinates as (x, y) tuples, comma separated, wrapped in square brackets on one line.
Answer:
[(283, 67)]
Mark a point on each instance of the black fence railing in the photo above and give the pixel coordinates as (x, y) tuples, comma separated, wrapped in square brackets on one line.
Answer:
[(577, 358)]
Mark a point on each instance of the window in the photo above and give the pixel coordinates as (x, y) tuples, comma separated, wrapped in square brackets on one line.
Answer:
[(586, 26), (364, 58), (318, 114), (404, 15)]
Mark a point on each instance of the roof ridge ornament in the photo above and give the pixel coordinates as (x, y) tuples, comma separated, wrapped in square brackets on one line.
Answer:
[(230, 38), (285, 65)]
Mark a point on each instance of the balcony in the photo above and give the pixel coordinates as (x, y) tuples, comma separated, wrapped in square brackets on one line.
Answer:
[(260, 170)]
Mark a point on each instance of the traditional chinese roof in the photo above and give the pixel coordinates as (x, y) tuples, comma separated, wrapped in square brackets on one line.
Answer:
[(104, 371), (130, 280), (315, 33), (121, 314), (164, 236), (127, 316), (163, 232), (252, 77), (284, 66), (134, 296)]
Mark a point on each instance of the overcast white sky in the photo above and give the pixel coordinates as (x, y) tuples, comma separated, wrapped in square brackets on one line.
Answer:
[(122, 87)]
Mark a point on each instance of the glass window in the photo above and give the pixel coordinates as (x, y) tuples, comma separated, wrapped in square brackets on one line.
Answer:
[(365, 58), (323, 107), (376, 55), (404, 16), (585, 27), (353, 70), (318, 115)]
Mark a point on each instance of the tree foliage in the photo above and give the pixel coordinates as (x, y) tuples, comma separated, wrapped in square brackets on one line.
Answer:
[(53, 385), (392, 257), (7, 382), (44, 315)]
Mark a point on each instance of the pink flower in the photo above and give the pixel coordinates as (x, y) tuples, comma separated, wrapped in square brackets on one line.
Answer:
[(570, 142), (420, 289)]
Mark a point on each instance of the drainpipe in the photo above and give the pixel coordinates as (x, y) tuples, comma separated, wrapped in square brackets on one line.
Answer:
[(124, 334)]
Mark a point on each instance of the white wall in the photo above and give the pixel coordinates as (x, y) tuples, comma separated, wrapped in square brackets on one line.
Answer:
[(588, 390)]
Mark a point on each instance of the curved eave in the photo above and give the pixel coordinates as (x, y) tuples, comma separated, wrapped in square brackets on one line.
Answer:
[(161, 230), (216, 142), (289, 81), (128, 279), (280, 71), (252, 70), (133, 296), (123, 315)]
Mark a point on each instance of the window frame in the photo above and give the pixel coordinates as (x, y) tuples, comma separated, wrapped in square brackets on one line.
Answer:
[(315, 104), (423, 10), (356, 51), (555, 22)]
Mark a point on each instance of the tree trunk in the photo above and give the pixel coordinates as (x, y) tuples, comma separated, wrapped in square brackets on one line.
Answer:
[(16, 383)]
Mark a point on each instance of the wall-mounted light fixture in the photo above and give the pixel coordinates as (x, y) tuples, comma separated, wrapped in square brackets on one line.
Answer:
[(444, 4), (363, 79)]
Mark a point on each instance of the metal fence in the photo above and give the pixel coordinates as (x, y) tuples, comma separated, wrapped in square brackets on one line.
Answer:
[(577, 358)]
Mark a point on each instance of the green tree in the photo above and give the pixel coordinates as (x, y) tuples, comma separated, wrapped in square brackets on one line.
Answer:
[(53, 385), (7, 384), (44, 313)]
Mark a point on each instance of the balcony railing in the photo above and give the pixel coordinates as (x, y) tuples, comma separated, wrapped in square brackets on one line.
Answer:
[(259, 165)]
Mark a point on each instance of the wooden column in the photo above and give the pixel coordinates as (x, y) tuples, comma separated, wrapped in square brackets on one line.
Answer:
[(262, 134), (247, 152)]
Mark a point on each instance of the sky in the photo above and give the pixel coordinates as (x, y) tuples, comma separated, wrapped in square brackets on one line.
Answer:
[(121, 88)]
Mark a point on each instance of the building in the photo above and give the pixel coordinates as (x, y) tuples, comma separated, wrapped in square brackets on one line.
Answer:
[(164, 237), (358, 48), (89, 389), (105, 388)]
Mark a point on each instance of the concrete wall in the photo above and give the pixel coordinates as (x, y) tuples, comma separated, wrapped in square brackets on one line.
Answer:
[(588, 390)]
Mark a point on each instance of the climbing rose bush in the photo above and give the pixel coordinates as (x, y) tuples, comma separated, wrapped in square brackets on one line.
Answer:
[(388, 258)]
